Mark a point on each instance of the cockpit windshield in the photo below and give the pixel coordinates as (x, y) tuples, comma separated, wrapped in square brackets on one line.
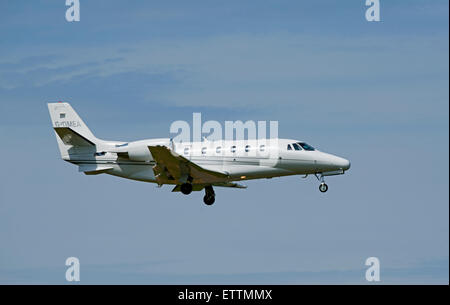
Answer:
[(296, 146), (300, 146), (306, 146)]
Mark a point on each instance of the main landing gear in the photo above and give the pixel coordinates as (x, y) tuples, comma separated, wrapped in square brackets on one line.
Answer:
[(208, 199), (323, 187), (186, 188), (210, 196)]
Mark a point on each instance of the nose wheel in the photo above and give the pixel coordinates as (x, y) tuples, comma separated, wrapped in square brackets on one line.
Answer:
[(323, 187)]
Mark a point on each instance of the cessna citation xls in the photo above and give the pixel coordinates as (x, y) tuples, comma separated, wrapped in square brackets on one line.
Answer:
[(190, 166)]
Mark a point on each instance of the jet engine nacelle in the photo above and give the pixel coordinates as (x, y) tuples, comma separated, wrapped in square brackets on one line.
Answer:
[(139, 152)]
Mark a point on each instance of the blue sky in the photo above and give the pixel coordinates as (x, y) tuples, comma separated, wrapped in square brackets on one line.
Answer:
[(375, 93)]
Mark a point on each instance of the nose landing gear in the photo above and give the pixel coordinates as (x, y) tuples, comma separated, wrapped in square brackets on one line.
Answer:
[(323, 187)]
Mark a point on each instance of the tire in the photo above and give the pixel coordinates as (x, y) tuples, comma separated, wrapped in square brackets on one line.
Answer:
[(323, 187), (209, 200), (186, 188)]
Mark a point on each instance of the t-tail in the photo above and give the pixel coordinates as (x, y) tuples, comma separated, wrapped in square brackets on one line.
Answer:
[(73, 136)]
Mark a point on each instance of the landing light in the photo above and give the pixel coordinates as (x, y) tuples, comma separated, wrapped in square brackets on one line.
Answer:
[(243, 177)]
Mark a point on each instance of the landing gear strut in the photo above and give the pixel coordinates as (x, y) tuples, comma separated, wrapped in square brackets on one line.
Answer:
[(210, 196), (186, 188), (323, 187)]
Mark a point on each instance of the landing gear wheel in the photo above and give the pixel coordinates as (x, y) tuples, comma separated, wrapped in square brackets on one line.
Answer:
[(208, 200), (210, 196), (323, 187), (186, 188)]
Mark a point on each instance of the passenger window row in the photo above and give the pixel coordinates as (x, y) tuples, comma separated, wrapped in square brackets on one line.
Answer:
[(233, 148)]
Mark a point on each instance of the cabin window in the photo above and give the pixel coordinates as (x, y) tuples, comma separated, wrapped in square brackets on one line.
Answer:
[(247, 148), (62, 115), (306, 146), (186, 151), (262, 147), (296, 146), (289, 147), (218, 149), (203, 150), (233, 149)]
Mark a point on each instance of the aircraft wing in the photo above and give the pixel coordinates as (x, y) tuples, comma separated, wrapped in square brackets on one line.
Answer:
[(94, 169), (172, 167), (230, 184)]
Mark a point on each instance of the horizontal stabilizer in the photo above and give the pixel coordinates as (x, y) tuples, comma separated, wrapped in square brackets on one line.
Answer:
[(70, 137)]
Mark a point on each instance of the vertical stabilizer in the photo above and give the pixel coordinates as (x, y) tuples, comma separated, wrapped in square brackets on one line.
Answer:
[(72, 134)]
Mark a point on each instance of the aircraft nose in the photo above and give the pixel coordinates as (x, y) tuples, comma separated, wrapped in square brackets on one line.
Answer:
[(332, 162), (343, 163)]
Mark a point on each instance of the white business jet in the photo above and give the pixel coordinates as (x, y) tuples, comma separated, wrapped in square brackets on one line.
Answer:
[(190, 166)]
